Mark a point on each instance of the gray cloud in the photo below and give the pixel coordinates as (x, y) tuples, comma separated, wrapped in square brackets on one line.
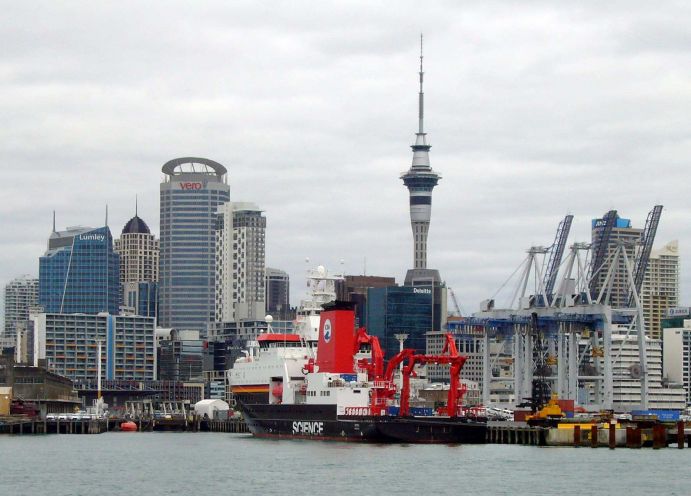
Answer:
[(534, 110)]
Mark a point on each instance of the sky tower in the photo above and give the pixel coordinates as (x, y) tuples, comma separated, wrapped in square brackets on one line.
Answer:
[(420, 180)]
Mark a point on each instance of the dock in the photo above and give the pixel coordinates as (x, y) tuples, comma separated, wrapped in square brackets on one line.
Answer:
[(516, 433)]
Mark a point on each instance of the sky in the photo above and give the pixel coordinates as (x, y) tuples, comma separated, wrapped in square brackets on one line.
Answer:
[(534, 110)]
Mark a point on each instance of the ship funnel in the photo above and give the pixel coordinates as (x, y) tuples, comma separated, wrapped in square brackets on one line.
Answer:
[(336, 334)]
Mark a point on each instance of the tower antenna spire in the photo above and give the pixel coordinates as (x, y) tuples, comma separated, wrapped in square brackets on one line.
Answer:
[(53, 220), (421, 104), (136, 206), (106, 215)]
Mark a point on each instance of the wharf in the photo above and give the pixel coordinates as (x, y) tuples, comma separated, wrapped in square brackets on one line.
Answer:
[(516, 433), (184, 424), (26, 425)]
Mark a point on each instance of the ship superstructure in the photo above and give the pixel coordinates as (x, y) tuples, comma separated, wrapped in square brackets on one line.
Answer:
[(278, 355)]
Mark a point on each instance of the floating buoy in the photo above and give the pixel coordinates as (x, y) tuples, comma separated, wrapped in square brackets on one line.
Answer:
[(128, 426)]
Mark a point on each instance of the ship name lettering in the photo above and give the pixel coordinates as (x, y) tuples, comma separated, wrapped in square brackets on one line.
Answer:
[(311, 428)]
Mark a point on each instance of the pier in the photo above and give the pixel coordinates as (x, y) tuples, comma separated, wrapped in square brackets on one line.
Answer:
[(516, 433)]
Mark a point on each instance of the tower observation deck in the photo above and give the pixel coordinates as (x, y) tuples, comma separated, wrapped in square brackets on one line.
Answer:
[(420, 180)]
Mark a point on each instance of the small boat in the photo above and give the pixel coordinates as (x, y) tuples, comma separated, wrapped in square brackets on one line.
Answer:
[(128, 426)]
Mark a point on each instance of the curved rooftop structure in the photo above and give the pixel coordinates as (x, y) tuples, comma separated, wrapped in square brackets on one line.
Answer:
[(136, 225), (193, 165)]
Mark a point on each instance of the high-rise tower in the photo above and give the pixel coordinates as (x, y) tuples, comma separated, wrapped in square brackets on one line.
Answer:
[(420, 180), (192, 190)]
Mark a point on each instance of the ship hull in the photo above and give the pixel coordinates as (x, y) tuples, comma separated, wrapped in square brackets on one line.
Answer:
[(320, 422)]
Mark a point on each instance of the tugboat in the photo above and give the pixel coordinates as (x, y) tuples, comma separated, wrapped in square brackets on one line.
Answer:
[(345, 393)]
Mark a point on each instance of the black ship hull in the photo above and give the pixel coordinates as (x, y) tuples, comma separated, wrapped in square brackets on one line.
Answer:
[(321, 422)]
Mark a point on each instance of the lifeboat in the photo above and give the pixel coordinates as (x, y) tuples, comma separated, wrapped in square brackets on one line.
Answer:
[(128, 426)]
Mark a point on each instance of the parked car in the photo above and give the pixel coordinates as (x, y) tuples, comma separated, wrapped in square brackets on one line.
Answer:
[(51, 416)]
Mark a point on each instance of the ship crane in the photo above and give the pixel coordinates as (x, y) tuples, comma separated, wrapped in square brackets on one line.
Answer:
[(600, 251), (453, 359)]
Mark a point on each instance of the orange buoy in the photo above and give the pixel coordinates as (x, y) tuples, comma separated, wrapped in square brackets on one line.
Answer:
[(128, 426)]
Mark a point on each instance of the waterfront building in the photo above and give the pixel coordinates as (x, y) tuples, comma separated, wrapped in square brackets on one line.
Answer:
[(278, 294), (240, 262), (80, 272), (420, 180), (676, 343), (414, 311), (626, 372), (660, 290), (20, 296), (622, 234), (50, 392), (192, 191), (181, 356), (68, 343)]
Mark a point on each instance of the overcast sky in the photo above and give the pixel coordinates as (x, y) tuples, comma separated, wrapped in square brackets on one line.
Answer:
[(533, 109)]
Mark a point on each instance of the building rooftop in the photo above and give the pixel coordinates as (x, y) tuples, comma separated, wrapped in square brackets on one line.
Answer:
[(136, 225)]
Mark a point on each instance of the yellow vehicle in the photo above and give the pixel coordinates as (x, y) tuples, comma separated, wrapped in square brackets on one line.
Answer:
[(550, 414)]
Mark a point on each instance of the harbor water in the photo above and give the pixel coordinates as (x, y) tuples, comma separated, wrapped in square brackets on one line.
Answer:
[(155, 464)]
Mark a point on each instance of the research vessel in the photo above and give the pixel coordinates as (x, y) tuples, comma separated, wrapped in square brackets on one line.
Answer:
[(345, 392)]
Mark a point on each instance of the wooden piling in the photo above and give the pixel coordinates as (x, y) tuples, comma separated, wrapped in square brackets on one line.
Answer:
[(680, 434), (612, 435), (576, 435), (593, 436)]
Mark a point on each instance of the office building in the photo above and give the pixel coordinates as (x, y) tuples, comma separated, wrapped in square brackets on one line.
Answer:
[(139, 251), (626, 372), (622, 234), (278, 294), (676, 345), (354, 289), (240, 262), (181, 356), (21, 296), (660, 290), (80, 272), (414, 311), (420, 180), (68, 343), (192, 191)]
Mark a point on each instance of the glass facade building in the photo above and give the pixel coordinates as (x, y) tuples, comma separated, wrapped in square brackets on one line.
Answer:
[(80, 272), (403, 310), (190, 195)]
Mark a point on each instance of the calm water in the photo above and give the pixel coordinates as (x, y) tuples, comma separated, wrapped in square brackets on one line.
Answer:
[(151, 464)]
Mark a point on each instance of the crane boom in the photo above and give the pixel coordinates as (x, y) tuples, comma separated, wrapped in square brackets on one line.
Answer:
[(647, 240), (556, 254), (608, 223)]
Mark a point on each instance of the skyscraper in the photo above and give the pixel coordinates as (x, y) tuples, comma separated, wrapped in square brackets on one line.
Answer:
[(420, 180), (660, 290), (21, 295), (139, 252), (80, 272), (277, 293), (240, 262), (191, 192)]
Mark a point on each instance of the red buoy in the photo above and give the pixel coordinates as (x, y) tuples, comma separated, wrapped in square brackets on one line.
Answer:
[(128, 426)]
